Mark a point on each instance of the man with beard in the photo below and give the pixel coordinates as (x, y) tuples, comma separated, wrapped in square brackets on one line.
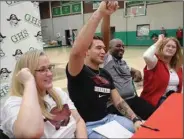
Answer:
[(123, 75)]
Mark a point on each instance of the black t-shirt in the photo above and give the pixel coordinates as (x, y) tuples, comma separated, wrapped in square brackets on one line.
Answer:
[(90, 91)]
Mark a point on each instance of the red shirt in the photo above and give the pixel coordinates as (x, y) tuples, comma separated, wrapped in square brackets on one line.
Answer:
[(179, 33), (156, 82)]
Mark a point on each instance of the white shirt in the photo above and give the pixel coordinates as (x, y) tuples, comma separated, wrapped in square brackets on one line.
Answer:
[(173, 81), (11, 108)]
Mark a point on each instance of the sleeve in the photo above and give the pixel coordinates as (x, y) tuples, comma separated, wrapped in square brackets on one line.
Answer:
[(112, 83), (67, 73), (73, 78), (65, 98), (150, 57), (9, 114)]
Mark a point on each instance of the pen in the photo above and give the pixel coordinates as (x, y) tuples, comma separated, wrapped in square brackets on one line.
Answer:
[(155, 129)]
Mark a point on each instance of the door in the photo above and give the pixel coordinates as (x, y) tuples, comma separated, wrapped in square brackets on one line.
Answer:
[(67, 37)]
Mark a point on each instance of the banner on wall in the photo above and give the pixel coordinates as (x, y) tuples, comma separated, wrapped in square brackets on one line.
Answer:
[(20, 31)]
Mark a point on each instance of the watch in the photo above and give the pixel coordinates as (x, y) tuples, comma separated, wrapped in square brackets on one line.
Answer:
[(136, 119)]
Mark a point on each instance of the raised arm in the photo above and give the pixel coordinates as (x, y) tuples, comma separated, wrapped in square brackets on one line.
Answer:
[(149, 54), (30, 114), (84, 39), (105, 30), (105, 27)]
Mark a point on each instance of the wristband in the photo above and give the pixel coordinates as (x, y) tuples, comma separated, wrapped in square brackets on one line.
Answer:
[(136, 119)]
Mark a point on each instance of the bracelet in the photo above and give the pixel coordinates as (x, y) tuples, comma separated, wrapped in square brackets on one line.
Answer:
[(136, 119)]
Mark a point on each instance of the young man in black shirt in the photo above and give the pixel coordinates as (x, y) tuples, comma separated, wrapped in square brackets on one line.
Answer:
[(91, 87)]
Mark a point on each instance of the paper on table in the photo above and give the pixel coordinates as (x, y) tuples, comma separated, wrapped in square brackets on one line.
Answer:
[(113, 130)]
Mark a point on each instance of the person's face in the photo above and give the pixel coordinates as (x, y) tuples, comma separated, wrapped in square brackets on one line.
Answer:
[(96, 53), (169, 49), (43, 75), (118, 49)]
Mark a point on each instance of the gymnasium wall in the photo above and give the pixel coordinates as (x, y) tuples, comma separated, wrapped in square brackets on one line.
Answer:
[(168, 15)]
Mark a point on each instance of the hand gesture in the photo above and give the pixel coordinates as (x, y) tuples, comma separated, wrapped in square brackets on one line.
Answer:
[(137, 76), (138, 124), (24, 76), (161, 37), (108, 7)]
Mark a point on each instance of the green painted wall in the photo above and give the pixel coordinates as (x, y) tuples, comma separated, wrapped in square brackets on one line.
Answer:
[(130, 39)]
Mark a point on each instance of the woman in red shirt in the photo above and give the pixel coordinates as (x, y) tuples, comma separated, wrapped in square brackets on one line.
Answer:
[(163, 71)]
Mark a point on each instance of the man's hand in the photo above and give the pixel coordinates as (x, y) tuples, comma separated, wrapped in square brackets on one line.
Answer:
[(108, 7), (105, 26), (137, 76), (138, 124)]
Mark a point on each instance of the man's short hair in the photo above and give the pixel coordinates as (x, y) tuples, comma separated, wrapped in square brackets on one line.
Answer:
[(113, 43), (95, 38)]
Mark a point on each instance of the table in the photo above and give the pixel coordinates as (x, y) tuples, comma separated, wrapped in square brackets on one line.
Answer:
[(168, 118)]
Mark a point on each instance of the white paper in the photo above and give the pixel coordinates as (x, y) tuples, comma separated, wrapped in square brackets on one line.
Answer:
[(113, 130)]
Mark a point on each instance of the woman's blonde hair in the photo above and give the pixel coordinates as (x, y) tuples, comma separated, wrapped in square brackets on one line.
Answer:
[(176, 61), (30, 60)]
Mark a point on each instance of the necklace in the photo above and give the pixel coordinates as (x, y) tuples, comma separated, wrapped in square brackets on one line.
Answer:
[(91, 71), (97, 78), (171, 70)]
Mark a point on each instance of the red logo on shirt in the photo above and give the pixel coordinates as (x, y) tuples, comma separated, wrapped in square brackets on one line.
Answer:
[(61, 118), (100, 80)]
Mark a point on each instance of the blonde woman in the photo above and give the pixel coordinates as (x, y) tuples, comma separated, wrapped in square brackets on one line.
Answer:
[(163, 71), (35, 109)]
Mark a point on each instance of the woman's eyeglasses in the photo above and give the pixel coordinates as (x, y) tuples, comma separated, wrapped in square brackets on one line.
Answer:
[(45, 69)]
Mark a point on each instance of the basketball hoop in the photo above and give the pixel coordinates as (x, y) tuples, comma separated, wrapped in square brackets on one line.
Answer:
[(134, 8), (133, 11)]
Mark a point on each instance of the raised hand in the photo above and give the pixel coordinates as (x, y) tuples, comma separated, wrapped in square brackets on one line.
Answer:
[(161, 37), (24, 76), (108, 7), (112, 5)]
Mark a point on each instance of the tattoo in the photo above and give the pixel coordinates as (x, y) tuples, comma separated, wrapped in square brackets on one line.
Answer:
[(124, 109)]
